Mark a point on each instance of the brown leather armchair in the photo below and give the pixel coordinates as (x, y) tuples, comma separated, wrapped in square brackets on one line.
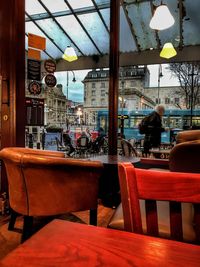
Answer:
[(189, 135), (30, 151), (41, 185)]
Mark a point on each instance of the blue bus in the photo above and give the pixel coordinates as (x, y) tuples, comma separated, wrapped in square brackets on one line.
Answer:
[(175, 119)]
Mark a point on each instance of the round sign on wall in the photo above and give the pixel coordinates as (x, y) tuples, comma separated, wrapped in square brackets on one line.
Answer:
[(50, 66), (34, 88), (50, 80)]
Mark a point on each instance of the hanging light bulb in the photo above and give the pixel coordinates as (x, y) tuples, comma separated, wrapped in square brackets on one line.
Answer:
[(162, 18), (168, 51), (70, 54)]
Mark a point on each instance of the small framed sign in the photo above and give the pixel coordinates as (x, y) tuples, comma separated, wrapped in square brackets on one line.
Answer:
[(50, 66), (50, 80), (34, 88)]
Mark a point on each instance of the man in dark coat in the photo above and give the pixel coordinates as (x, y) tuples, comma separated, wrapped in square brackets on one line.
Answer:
[(154, 129)]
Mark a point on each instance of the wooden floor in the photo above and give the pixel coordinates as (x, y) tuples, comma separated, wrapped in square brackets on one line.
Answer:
[(11, 239)]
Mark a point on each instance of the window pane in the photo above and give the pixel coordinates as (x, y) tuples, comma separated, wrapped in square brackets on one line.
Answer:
[(34, 7), (55, 6), (80, 4)]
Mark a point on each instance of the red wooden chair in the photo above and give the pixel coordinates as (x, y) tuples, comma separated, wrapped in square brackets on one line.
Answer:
[(152, 185)]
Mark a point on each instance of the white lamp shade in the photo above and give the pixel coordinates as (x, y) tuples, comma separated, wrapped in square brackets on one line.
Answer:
[(162, 18), (70, 54), (168, 51)]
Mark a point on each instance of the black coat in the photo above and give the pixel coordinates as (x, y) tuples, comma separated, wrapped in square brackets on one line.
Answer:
[(154, 130)]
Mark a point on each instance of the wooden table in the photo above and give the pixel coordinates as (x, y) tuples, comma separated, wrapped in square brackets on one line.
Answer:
[(109, 181), (67, 244)]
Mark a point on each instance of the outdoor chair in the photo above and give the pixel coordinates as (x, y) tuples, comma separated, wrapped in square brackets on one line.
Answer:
[(82, 147), (41, 185), (127, 149), (150, 185), (60, 146)]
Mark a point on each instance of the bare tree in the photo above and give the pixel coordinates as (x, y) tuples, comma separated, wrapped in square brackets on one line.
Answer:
[(188, 75)]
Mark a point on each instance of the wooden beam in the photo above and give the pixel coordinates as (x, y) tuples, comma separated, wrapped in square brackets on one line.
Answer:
[(187, 54), (114, 76)]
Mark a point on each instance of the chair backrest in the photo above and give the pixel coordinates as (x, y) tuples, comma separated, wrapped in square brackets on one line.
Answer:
[(41, 185), (127, 149), (149, 185), (188, 135), (83, 141), (185, 157)]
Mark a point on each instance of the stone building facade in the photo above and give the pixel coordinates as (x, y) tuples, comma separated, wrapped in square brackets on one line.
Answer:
[(132, 81), (167, 96)]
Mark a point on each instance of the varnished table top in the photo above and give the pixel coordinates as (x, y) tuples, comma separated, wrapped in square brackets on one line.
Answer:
[(62, 243)]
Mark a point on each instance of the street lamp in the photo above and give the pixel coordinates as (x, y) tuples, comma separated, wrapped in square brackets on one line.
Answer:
[(122, 100), (73, 80), (160, 75), (192, 93), (79, 114)]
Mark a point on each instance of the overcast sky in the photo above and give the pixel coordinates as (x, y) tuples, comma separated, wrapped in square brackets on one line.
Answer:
[(75, 90)]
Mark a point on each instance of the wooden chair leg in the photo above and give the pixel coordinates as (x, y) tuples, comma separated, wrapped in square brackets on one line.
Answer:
[(13, 217), (27, 228), (93, 217)]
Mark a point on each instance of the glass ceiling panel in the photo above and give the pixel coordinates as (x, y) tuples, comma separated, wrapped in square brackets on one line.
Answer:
[(33, 7), (106, 16), (140, 15), (80, 3), (55, 6), (50, 47), (55, 33), (96, 29), (76, 33), (191, 37), (171, 34), (127, 43), (100, 2)]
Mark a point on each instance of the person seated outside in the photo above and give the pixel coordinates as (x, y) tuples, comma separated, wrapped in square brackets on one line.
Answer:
[(83, 140), (98, 142), (67, 140), (153, 130)]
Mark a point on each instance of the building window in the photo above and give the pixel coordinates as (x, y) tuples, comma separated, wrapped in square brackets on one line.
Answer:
[(93, 102), (103, 74), (167, 100), (132, 83), (103, 102), (93, 85), (176, 100), (157, 100), (103, 92), (103, 85), (94, 75), (93, 93)]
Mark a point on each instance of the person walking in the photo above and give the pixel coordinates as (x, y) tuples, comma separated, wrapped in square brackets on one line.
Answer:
[(153, 129)]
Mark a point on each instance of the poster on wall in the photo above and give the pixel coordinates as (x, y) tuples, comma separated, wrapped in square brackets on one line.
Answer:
[(33, 70), (34, 112)]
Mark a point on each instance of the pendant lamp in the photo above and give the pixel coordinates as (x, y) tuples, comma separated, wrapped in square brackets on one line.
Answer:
[(70, 54), (168, 51), (162, 18)]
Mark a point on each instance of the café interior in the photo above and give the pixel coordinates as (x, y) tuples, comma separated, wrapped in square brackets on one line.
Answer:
[(139, 211)]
